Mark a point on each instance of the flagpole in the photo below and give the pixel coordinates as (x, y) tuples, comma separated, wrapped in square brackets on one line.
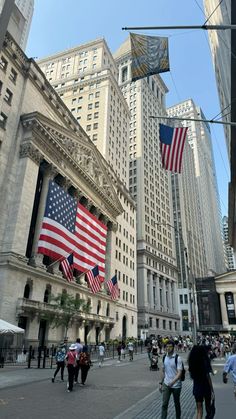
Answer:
[(56, 261), (205, 27), (84, 273), (211, 121)]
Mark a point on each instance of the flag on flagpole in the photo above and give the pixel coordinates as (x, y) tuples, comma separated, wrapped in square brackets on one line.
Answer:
[(67, 267), (113, 288), (69, 227), (94, 279), (149, 55), (172, 142)]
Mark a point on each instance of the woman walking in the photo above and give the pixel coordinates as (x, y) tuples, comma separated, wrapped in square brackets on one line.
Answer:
[(60, 360), (200, 369), (85, 363), (71, 363)]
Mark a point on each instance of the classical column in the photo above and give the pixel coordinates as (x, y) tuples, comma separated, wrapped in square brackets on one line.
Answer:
[(37, 258), (157, 280), (164, 294), (150, 279), (224, 314)]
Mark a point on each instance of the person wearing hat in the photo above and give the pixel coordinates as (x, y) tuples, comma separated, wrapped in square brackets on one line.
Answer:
[(170, 382), (71, 357), (60, 360)]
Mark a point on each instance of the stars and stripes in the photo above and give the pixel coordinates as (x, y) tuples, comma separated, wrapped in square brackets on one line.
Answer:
[(172, 142), (68, 227), (112, 286), (93, 279), (67, 267)]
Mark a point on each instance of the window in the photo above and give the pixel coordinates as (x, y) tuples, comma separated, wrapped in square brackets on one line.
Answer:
[(181, 299), (90, 105), (89, 117), (164, 324), (3, 64), (88, 128), (96, 114), (97, 94), (95, 137), (185, 298), (124, 74), (95, 126), (96, 105), (3, 120)]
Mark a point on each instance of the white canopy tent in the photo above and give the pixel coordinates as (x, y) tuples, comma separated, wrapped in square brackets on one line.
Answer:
[(8, 328)]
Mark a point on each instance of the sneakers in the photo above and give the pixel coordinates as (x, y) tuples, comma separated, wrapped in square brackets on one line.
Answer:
[(53, 379)]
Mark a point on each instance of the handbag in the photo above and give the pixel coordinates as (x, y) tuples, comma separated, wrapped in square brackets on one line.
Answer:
[(212, 410)]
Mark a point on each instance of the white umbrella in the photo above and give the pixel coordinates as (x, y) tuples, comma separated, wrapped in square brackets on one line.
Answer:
[(6, 327)]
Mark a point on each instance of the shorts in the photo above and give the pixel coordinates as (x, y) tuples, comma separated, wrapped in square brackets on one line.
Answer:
[(201, 391)]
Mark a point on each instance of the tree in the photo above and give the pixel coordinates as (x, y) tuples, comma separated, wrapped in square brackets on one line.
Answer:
[(65, 308)]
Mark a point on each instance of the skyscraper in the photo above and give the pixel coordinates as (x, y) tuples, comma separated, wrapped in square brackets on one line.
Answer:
[(151, 188), (199, 138)]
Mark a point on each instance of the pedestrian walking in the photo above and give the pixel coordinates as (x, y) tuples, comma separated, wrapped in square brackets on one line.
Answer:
[(130, 347), (101, 355), (85, 363), (78, 349), (230, 367), (119, 351), (200, 369), (123, 347), (170, 382), (71, 364), (60, 360)]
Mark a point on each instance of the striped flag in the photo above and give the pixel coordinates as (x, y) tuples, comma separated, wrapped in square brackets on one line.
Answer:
[(172, 142), (68, 227), (113, 288), (67, 267), (94, 279)]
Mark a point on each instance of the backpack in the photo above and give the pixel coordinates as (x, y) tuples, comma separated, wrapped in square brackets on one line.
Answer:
[(182, 377)]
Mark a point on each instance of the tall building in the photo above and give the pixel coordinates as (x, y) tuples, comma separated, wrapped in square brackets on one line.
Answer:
[(229, 250), (20, 20), (199, 139), (151, 188), (190, 248), (85, 77), (220, 43)]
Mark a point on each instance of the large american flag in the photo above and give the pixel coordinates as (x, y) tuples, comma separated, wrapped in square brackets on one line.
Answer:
[(68, 227), (113, 288), (172, 142)]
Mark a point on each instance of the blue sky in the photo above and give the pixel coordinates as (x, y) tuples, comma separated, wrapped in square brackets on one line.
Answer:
[(59, 25)]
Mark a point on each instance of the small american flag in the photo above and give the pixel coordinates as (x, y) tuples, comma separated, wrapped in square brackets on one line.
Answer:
[(172, 142), (67, 267), (113, 288), (94, 279), (69, 227)]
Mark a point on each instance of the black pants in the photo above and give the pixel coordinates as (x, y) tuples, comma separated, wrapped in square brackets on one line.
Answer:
[(60, 366), (84, 372), (71, 374), (77, 368)]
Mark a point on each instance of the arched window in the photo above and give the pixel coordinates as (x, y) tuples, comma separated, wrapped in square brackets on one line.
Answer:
[(47, 294), (27, 291), (98, 307)]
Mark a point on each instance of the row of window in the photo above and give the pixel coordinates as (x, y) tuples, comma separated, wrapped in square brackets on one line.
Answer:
[(164, 324)]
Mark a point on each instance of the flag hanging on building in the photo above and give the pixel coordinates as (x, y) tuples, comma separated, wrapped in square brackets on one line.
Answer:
[(67, 267), (94, 279), (113, 288), (149, 55), (172, 142), (68, 227)]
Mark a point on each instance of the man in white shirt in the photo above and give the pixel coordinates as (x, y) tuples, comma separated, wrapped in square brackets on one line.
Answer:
[(131, 350), (170, 382), (101, 349), (230, 367)]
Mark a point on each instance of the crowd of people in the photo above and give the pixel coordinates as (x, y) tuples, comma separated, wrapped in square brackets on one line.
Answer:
[(76, 358), (199, 366)]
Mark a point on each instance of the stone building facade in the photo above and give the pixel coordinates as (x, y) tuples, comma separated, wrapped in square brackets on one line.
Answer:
[(41, 140)]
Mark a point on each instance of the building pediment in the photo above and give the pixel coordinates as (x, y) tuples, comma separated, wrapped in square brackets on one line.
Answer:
[(76, 157)]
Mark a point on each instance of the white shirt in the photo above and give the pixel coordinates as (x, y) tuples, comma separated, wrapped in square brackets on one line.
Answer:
[(101, 350), (170, 370)]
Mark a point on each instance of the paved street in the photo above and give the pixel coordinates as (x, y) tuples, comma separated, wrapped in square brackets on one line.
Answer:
[(116, 391)]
